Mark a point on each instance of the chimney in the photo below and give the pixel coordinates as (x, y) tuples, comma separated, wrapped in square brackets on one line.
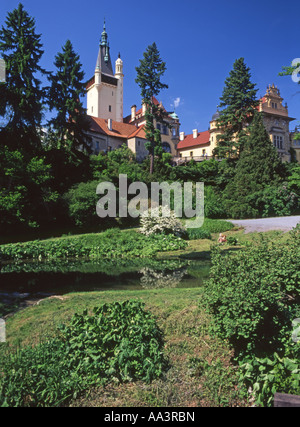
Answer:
[(133, 113), (109, 124), (144, 107), (195, 133), (182, 136)]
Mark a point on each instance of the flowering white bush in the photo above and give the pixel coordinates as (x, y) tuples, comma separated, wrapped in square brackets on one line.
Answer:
[(161, 221)]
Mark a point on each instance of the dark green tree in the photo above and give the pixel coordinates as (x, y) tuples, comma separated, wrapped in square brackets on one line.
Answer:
[(21, 97), (259, 166), (67, 87), (149, 75), (238, 104), (26, 196)]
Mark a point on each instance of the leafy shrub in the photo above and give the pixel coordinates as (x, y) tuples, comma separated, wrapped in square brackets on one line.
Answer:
[(277, 201), (81, 203), (253, 295), (161, 221), (270, 375), (120, 342), (213, 204), (232, 241)]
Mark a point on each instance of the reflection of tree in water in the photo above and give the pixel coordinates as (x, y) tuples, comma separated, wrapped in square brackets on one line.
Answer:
[(153, 279)]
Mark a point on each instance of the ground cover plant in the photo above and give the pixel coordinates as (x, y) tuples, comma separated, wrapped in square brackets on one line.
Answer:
[(253, 296), (112, 243), (184, 326), (119, 342)]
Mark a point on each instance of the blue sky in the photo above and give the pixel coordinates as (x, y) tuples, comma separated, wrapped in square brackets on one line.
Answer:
[(199, 41)]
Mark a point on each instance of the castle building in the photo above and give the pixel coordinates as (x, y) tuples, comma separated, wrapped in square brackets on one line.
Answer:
[(108, 129), (277, 121), (200, 146), (295, 144), (168, 127)]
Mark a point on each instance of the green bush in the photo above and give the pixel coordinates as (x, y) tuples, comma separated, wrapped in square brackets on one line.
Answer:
[(81, 201), (277, 201), (253, 296), (213, 204), (120, 342)]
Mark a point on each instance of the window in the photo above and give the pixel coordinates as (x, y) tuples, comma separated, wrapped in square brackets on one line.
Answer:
[(192, 154), (109, 108), (158, 126), (166, 147), (278, 142)]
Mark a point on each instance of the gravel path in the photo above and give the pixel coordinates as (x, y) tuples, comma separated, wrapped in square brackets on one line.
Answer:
[(268, 224)]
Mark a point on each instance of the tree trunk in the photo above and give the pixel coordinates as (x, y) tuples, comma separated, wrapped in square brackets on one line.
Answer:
[(152, 152)]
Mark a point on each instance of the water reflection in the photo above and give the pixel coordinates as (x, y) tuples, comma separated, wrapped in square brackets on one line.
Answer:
[(153, 279), (21, 282)]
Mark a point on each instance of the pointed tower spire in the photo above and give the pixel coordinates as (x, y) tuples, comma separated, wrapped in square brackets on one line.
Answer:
[(104, 60)]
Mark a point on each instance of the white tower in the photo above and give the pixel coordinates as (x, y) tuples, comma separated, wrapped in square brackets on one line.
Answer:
[(105, 89), (119, 98)]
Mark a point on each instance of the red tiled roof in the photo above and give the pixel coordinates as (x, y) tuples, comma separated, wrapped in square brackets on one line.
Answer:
[(119, 129), (139, 113), (90, 82), (190, 141), (139, 132)]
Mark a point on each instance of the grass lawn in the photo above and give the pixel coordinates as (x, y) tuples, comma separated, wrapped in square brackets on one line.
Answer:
[(187, 346)]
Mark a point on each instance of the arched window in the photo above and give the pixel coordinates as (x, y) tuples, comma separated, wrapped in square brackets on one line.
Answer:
[(166, 147)]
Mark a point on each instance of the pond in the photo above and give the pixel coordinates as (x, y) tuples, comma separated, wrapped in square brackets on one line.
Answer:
[(22, 284)]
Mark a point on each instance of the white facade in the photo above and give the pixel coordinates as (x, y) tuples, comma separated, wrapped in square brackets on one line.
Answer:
[(105, 88)]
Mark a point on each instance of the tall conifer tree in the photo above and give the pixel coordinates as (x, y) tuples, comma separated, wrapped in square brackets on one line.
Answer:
[(238, 104), (21, 97), (258, 167), (149, 75), (67, 87)]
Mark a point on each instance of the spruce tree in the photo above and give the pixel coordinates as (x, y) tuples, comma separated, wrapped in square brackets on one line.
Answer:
[(67, 86), (238, 104), (258, 167), (21, 97), (149, 75)]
